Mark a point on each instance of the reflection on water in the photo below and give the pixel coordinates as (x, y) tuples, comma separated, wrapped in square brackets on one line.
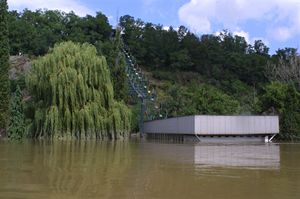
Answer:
[(250, 156), (80, 168), (258, 156), (122, 169)]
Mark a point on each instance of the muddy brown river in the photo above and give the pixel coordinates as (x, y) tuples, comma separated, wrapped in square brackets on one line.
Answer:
[(144, 169)]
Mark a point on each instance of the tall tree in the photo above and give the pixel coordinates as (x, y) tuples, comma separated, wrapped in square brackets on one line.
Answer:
[(73, 95), (34, 32), (116, 61), (283, 99), (4, 66), (17, 119)]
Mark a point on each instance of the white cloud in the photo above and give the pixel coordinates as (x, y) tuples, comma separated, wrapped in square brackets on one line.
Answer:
[(282, 33), (282, 17), (64, 5), (249, 39), (166, 28), (244, 34)]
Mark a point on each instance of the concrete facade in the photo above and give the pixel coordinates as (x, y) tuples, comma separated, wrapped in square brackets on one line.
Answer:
[(215, 125)]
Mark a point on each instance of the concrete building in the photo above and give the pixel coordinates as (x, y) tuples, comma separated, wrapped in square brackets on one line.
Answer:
[(215, 128)]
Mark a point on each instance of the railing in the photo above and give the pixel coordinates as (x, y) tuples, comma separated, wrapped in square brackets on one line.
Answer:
[(139, 88)]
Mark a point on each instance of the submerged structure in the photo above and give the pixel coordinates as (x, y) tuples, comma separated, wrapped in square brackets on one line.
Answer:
[(213, 128)]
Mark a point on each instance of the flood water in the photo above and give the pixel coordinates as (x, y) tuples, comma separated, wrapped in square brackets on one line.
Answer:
[(143, 169)]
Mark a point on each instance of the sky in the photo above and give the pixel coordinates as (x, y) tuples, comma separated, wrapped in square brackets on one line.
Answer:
[(275, 22)]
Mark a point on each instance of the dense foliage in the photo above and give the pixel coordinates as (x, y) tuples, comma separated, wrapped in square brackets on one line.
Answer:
[(207, 74), (221, 57), (17, 119), (73, 95), (112, 50), (216, 74), (4, 66), (196, 99), (284, 100), (33, 32)]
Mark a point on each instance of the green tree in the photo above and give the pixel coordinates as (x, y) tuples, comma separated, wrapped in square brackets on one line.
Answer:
[(286, 53), (17, 119), (177, 103), (283, 99), (286, 70), (180, 60), (112, 50), (74, 97), (194, 99), (4, 67), (260, 48), (209, 100), (34, 32)]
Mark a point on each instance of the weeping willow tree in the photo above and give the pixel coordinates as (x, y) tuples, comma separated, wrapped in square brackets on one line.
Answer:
[(73, 95)]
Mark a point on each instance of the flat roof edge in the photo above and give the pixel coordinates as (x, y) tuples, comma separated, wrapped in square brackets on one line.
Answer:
[(212, 116)]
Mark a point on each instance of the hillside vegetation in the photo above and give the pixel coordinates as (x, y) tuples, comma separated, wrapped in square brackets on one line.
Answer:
[(207, 74), (216, 74)]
